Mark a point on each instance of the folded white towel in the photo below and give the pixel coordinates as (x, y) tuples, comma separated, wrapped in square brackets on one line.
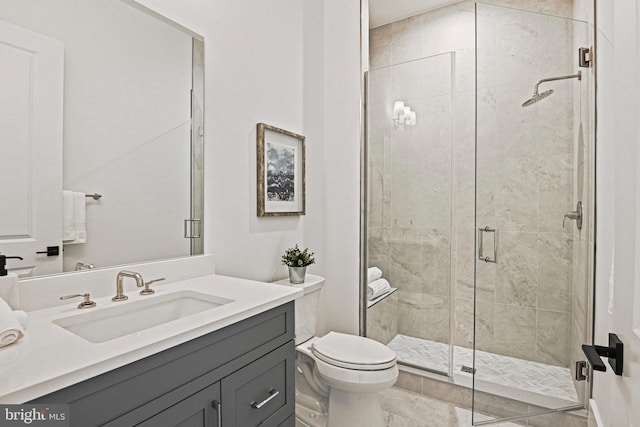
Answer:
[(21, 317), (10, 328), (373, 273), (80, 214), (68, 217), (377, 288)]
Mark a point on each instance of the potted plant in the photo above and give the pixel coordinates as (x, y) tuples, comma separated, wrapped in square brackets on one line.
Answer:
[(297, 260)]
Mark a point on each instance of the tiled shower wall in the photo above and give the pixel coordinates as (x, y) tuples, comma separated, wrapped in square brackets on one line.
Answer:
[(525, 182)]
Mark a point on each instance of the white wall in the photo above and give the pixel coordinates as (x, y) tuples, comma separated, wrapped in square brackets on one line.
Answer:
[(294, 65), (342, 163), (616, 397)]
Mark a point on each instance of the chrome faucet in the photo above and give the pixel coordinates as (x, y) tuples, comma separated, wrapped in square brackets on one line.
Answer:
[(83, 265), (120, 296)]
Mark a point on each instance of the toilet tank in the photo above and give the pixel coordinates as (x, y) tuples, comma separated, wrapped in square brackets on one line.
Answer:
[(306, 306)]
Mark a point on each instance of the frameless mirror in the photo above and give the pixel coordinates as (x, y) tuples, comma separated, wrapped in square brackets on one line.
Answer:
[(127, 126)]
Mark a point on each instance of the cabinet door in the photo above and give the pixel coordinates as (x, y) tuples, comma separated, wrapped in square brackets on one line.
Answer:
[(198, 410), (261, 393)]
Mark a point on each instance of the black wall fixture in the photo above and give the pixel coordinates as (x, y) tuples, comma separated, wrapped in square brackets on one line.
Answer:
[(614, 352)]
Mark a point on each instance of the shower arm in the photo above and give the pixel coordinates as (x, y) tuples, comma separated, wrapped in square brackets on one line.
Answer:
[(578, 76)]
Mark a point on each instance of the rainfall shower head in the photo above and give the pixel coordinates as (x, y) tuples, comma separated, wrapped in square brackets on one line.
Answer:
[(540, 96), (537, 97)]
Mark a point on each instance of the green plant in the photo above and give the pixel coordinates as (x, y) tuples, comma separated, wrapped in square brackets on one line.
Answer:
[(296, 257)]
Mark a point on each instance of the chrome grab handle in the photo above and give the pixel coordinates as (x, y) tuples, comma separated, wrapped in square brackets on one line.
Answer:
[(216, 405), (272, 394), (481, 256)]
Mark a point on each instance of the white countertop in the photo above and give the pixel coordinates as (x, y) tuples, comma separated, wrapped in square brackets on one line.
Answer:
[(49, 358)]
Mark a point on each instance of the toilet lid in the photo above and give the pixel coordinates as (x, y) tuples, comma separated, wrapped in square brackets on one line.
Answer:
[(353, 352)]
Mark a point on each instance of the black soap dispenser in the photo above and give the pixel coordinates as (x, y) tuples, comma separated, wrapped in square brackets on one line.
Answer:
[(3, 263)]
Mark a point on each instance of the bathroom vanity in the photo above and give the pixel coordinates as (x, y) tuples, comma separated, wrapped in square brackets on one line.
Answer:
[(208, 350), (241, 375)]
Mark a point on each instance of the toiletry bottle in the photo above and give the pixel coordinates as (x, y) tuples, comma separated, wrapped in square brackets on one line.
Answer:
[(3, 263)]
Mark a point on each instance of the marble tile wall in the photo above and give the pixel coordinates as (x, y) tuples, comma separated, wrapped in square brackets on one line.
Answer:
[(532, 303), (382, 319)]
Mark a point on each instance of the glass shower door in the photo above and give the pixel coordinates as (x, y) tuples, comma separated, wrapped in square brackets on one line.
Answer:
[(532, 131), (409, 116)]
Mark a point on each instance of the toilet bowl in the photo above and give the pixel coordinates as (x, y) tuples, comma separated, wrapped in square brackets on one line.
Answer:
[(348, 371), (338, 376)]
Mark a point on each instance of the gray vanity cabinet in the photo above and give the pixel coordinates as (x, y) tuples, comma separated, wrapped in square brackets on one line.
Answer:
[(239, 376)]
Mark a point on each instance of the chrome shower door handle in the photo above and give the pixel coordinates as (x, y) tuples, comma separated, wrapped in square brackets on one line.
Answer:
[(481, 256)]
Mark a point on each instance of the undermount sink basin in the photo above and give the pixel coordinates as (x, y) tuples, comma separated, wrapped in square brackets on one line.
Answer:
[(130, 317)]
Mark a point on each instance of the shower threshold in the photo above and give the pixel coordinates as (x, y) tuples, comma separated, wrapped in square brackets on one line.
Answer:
[(532, 382)]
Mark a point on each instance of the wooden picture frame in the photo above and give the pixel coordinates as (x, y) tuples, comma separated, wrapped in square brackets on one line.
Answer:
[(281, 172)]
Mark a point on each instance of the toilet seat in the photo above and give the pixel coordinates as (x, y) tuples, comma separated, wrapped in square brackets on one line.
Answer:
[(353, 352)]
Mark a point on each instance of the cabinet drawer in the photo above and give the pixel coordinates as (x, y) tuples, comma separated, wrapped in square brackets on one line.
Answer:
[(262, 393), (199, 410)]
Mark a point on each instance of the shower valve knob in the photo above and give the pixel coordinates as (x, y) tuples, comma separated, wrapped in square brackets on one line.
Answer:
[(574, 215)]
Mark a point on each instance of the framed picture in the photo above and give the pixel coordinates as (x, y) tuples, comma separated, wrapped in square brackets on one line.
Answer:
[(281, 175)]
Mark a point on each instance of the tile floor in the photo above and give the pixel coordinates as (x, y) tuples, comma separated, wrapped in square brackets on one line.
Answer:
[(402, 408), (533, 377)]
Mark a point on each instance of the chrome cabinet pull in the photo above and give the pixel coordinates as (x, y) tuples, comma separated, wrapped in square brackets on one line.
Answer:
[(272, 394), (216, 406), (481, 255)]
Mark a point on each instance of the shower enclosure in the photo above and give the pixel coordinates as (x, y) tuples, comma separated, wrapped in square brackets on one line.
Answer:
[(479, 130)]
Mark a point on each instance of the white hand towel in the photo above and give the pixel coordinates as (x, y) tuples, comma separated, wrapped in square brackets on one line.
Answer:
[(80, 213), (377, 288), (10, 328), (21, 317), (68, 217), (373, 273)]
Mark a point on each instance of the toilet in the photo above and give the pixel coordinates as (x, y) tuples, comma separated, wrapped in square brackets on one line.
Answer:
[(338, 376)]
